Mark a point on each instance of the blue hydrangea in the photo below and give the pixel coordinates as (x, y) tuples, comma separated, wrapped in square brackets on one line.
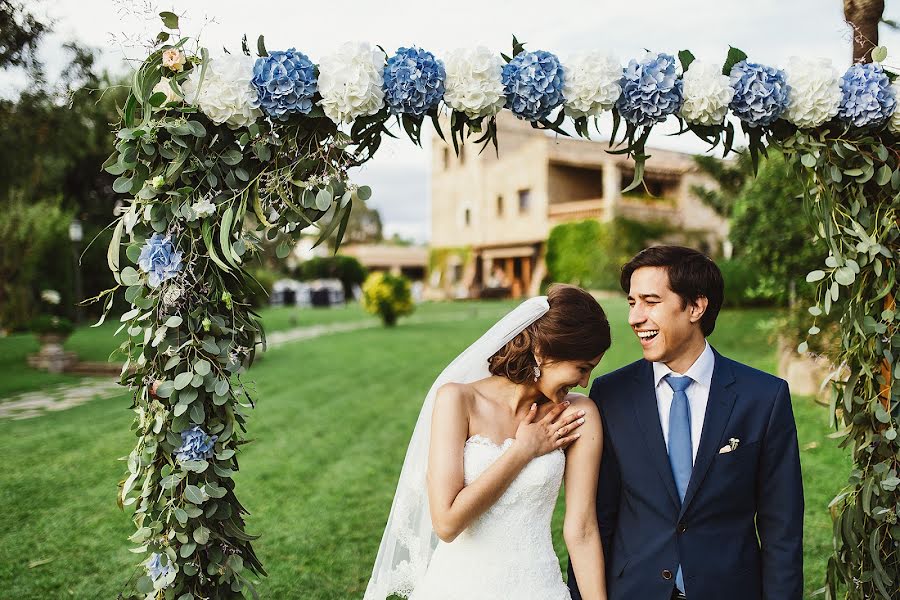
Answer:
[(533, 84), (651, 90), (867, 96), (159, 259), (196, 444), (413, 81), (156, 570), (285, 82), (760, 93)]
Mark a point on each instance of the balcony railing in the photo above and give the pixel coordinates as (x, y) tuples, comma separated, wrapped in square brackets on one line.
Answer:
[(593, 208)]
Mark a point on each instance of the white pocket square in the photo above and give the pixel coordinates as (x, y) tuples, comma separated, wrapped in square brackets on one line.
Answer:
[(731, 445)]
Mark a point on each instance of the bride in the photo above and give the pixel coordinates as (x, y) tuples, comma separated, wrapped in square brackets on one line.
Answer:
[(495, 438)]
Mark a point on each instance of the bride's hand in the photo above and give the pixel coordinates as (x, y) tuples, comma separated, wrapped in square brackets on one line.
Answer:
[(551, 432)]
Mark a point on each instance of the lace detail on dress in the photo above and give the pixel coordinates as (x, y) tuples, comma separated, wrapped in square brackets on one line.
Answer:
[(507, 553)]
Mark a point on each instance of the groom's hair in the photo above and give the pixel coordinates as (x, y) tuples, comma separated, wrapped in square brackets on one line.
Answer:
[(692, 274), (575, 328)]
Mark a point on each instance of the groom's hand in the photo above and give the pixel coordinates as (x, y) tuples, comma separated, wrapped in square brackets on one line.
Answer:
[(549, 433)]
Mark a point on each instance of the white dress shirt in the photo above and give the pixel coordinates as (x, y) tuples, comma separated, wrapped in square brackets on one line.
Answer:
[(697, 393)]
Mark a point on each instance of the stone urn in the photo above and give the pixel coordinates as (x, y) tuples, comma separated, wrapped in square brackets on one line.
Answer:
[(52, 357)]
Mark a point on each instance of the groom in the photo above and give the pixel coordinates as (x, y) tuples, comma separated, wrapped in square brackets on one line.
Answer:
[(699, 494)]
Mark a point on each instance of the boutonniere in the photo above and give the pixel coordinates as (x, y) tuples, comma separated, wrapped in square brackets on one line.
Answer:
[(732, 445)]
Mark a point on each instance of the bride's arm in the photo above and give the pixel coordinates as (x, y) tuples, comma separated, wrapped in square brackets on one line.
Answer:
[(580, 529), (453, 504)]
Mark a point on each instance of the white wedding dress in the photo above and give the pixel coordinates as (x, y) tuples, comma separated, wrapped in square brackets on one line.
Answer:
[(507, 553)]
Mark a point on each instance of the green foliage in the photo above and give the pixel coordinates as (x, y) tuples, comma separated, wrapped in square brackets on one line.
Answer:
[(34, 239), (439, 259), (591, 254), (771, 233), (20, 33), (852, 196), (346, 268), (259, 286), (44, 324), (740, 281), (387, 296)]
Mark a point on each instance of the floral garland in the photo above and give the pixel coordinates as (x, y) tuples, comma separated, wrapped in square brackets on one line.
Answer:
[(215, 154)]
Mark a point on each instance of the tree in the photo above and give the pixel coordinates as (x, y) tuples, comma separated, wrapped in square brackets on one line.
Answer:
[(20, 32), (67, 128), (363, 227)]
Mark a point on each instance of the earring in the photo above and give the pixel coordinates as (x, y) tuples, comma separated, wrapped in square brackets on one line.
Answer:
[(537, 372)]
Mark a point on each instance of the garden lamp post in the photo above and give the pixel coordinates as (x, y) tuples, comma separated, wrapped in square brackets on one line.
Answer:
[(76, 233)]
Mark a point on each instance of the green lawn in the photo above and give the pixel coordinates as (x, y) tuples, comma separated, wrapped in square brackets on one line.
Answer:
[(97, 343), (330, 432)]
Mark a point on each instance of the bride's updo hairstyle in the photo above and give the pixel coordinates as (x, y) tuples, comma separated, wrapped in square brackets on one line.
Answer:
[(575, 328)]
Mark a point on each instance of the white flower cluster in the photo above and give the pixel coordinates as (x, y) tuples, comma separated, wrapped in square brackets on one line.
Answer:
[(592, 83), (894, 122), (350, 82), (707, 94), (50, 296), (814, 91), (165, 87), (203, 207), (474, 84), (226, 94)]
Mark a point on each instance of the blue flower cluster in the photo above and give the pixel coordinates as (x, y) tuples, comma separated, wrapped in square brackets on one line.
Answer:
[(760, 93), (651, 90), (195, 444), (533, 84), (285, 82), (413, 81), (156, 570), (867, 96), (160, 259)]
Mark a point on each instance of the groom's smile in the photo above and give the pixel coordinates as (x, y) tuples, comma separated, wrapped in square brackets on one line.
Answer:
[(666, 326)]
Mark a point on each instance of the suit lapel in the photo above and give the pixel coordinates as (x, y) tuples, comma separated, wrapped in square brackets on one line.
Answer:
[(647, 415), (718, 411)]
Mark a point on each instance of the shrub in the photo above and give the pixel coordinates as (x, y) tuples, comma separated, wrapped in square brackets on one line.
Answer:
[(387, 296), (45, 324), (590, 254)]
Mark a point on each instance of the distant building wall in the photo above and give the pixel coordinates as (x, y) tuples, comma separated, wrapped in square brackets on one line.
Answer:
[(502, 209)]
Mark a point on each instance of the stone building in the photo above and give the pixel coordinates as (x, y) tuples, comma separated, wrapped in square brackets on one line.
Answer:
[(491, 217)]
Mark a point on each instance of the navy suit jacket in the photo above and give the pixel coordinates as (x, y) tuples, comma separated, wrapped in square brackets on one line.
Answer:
[(738, 535)]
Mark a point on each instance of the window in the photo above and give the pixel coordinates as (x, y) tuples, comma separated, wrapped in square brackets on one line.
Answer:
[(446, 158), (499, 206), (524, 200), (462, 154), (467, 217)]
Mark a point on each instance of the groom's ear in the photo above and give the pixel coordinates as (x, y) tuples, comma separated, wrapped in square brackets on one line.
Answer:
[(698, 308)]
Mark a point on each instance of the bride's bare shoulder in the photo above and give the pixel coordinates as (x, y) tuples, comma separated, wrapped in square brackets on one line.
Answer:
[(459, 394)]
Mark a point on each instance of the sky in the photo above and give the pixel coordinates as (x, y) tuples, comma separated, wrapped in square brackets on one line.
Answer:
[(769, 31)]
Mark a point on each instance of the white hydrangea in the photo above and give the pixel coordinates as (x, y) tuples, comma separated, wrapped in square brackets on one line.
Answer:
[(707, 94), (592, 83), (894, 123), (350, 82), (814, 91), (474, 83), (226, 95)]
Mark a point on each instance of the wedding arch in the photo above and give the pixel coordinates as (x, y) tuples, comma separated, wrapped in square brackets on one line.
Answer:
[(215, 154)]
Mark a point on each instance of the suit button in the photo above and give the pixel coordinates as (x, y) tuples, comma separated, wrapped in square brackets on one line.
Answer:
[(667, 574), (682, 528)]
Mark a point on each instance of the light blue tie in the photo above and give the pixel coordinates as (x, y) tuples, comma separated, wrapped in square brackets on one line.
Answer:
[(681, 454)]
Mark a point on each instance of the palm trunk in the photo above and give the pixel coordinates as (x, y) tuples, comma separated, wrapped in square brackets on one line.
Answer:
[(863, 16)]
